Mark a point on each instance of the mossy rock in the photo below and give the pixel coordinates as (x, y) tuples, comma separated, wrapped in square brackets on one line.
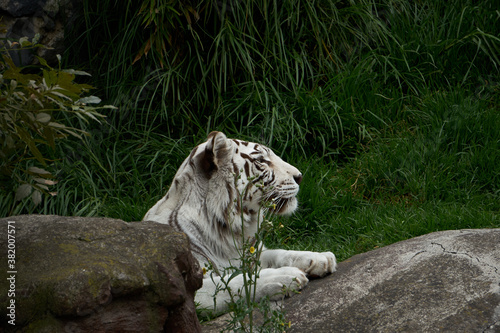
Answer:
[(98, 272)]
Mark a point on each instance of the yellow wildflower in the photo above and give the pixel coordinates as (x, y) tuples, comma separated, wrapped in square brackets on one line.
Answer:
[(252, 249)]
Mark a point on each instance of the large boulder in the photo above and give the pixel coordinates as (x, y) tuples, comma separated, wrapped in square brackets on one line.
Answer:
[(74, 274), (441, 282)]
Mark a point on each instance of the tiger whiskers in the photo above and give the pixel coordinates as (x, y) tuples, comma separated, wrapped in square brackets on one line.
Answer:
[(275, 201)]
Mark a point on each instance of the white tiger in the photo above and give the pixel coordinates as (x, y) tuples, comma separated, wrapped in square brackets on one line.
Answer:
[(204, 203)]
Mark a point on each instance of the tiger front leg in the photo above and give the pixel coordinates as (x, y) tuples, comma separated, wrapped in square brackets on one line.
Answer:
[(314, 264), (214, 296)]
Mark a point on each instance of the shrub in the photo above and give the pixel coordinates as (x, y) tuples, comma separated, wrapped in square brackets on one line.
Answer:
[(33, 103)]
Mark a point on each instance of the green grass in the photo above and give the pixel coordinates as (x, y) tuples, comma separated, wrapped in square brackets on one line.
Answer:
[(437, 171), (389, 108)]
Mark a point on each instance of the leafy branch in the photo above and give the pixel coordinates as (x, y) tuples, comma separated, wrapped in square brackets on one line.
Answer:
[(32, 100)]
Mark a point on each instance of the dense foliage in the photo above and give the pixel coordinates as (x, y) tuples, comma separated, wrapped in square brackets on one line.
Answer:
[(389, 107), (31, 105)]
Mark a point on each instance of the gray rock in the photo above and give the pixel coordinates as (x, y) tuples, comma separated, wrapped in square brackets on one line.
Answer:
[(75, 274), (18, 8), (47, 18), (441, 282)]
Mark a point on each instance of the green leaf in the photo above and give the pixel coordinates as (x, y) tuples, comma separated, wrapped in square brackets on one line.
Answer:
[(109, 107), (75, 72), (48, 134), (65, 81), (90, 100), (38, 171), (43, 117), (50, 77), (45, 181), (9, 141), (23, 191), (24, 42), (74, 133), (37, 197), (26, 137), (42, 61), (56, 125), (42, 186)]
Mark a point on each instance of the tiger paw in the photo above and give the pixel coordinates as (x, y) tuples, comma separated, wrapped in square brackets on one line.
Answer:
[(279, 282), (314, 264), (320, 264)]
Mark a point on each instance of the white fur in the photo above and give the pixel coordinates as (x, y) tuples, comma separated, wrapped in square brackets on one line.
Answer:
[(203, 202)]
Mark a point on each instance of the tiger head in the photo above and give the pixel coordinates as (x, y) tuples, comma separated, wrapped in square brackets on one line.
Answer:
[(261, 179), (234, 178)]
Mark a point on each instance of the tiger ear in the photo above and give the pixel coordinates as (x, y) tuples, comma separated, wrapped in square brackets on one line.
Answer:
[(216, 152), (218, 144)]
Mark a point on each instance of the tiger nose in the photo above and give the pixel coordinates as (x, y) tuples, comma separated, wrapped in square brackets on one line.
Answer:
[(298, 178)]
